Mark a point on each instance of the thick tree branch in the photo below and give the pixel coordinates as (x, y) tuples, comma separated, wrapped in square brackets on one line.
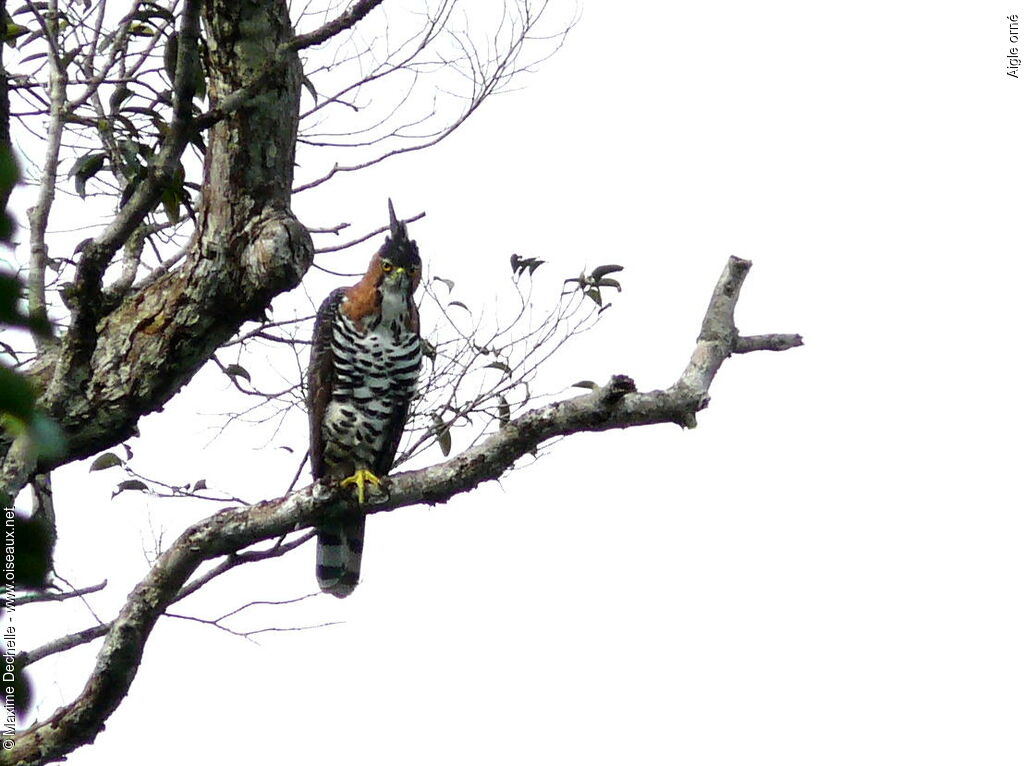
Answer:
[(130, 347), (747, 343), (352, 16), (243, 95), (70, 641), (97, 253), (125, 355), (615, 405)]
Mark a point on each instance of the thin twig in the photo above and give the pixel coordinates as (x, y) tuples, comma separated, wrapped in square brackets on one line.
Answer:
[(36, 598), (369, 235)]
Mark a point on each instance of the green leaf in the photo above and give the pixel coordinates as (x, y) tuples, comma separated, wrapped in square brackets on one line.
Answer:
[(86, 167), (197, 141), (105, 461), (10, 308), (141, 30), (34, 35), (237, 371), (130, 152), (12, 32), (6, 226), (119, 96), (504, 411), (130, 484), (149, 111), (450, 284), (171, 55), (520, 264), (308, 85), (17, 398), (444, 435), (170, 197), (603, 271), (609, 283), (461, 305), (38, 5), (171, 66), (201, 484), (10, 297), (500, 366), (10, 173), (149, 11), (129, 189), (199, 83), (595, 295), (584, 384)]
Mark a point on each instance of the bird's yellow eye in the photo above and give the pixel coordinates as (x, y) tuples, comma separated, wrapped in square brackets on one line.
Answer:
[(386, 266)]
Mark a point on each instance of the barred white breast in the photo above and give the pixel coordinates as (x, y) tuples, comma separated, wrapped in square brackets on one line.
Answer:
[(375, 372)]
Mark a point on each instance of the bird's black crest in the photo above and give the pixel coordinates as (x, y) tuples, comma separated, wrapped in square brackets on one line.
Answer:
[(399, 248)]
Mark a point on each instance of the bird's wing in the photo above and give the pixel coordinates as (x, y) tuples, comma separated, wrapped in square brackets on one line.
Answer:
[(392, 437), (396, 423), (319, 377)]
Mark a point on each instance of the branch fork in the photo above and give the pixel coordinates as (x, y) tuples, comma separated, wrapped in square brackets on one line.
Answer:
[(616, 405)]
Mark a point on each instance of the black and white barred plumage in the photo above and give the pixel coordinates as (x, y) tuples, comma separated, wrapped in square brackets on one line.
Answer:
[(364, 366), (375, 373)]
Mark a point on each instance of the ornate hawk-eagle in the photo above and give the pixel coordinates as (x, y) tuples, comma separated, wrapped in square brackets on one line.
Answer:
[(363, 368)]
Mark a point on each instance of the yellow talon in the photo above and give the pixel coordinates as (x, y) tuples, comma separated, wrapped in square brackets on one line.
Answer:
[(361, 478)]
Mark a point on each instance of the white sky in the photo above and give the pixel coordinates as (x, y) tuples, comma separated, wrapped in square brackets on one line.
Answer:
[(827, 571)]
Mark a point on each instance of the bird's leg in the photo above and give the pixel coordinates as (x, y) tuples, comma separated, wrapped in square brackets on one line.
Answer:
[(361, 478)]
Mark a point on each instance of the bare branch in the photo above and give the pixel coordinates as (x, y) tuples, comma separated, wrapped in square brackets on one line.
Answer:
[(464, 72), (747, 343), (96, 254), (39, 214), (352, 16), (36, 598), (615, 405), (279, 549), (370, 235), (62, 644), (238, 99), (70, 641), (328, 229), (218, 622)]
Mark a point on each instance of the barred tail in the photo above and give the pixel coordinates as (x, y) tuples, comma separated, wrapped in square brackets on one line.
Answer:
[(338, 555)]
